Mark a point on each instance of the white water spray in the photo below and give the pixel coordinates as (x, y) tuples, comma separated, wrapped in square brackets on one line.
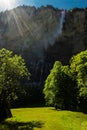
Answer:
[(50, 39)]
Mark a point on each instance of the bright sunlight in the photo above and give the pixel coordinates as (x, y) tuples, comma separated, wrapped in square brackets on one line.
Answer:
[(7, 4)]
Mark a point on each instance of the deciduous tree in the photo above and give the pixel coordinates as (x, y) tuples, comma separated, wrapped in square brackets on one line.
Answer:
[(79, 72), (60, 88), (12, 70)]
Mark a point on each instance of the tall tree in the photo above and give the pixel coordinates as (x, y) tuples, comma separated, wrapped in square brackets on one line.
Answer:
[(79, 71), (60, 88), (12, 71), (52, 84)]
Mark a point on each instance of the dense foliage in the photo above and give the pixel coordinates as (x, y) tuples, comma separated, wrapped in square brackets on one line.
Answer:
[(66, 87), (78, 66), (12, 70)]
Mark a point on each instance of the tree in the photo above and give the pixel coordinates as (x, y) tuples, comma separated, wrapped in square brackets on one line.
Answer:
[(66, 87), (12, 71), (60, 88), (51, 84), (79, 71)]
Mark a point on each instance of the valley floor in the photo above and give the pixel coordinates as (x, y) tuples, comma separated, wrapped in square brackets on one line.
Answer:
[(45, 118)]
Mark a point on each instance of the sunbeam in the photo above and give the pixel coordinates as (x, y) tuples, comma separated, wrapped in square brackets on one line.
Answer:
[(7, 4), (22, 21)]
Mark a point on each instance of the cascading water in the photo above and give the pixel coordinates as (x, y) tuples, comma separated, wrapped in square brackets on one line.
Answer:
[(51, 38), (55, 35), (60, 27)]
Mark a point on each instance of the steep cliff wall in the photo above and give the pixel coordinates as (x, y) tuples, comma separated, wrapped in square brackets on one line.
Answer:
[(27, 29), (43, 36), (73, 39)]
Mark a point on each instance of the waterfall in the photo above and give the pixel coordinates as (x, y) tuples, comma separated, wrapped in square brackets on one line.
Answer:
[(50, 39), (57, 33), (62, 17)]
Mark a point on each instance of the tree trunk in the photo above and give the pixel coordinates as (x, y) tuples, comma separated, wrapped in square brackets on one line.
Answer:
[(4, 110)]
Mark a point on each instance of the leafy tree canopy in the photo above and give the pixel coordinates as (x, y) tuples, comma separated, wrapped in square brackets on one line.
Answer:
[(79, 70), (59, 87), (66, 86), (12, 70), (52, 82)]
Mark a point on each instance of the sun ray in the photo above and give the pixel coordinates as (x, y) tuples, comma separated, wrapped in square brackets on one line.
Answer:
[(7, 4), (23, 24), (20, 20)]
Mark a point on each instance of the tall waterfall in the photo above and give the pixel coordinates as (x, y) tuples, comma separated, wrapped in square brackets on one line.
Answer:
[(51, 38), (61, 23)]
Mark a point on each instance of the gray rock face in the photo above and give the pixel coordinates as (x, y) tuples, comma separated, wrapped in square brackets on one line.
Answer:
[(29, 29), (73, 39), (43, 36)]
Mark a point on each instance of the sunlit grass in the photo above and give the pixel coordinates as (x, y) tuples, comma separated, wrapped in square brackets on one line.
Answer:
[(45, 119)]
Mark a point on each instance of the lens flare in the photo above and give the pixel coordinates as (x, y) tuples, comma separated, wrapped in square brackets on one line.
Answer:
[(7, 4)]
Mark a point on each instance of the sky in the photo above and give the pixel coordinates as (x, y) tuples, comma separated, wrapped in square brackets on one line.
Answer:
[(65, 4)]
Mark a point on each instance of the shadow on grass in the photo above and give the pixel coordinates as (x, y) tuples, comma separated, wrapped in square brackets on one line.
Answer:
[(53, 108), (21, 125)]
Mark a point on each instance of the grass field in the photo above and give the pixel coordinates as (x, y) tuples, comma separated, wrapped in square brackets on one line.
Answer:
[(44, 119)]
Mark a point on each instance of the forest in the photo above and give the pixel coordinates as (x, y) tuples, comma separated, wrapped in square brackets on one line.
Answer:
[(65, 87)]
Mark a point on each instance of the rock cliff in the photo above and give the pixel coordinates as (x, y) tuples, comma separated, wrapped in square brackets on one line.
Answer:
[(43, 36), (73, 38)]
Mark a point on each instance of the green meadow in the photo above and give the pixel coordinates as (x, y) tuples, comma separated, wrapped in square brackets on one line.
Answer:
[(45, 118)]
